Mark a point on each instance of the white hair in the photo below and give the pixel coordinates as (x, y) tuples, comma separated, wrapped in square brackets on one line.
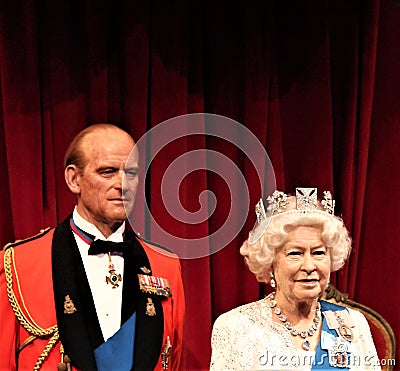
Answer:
[(260, 255)]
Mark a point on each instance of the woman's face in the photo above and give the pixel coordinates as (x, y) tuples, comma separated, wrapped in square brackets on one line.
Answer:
[(302, 266)]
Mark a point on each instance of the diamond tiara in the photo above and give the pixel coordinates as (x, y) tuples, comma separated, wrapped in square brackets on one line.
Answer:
[(278, 204)]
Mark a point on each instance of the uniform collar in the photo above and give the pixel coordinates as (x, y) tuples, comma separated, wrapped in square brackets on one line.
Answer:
[(80, 222)]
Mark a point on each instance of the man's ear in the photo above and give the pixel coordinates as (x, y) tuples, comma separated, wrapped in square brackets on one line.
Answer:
[(72, 178)]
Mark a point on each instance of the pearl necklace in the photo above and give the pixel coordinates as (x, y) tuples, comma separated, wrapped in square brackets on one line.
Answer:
[(294, 331)]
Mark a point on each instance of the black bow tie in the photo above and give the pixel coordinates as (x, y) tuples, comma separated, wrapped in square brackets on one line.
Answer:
[(105, 247)]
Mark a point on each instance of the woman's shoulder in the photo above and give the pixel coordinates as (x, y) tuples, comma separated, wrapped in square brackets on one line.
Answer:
[(243, 313), (358, 317)]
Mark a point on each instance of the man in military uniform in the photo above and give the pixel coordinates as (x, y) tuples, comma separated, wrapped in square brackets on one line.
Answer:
[(91, 294)]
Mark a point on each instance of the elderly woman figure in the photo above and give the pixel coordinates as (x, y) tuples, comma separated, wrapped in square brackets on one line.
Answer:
[(296, 243)]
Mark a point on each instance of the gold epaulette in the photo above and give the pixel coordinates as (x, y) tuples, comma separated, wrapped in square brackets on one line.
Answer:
[(18, 242), (20, 310)]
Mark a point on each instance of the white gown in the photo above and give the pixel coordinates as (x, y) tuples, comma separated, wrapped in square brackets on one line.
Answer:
[(246, 338)]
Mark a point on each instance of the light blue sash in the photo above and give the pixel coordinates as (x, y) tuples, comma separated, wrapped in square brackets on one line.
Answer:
[(328, 337), (117, 352)]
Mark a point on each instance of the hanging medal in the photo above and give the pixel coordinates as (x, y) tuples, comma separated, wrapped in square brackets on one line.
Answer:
[(338, 356), (344, 329), (113, 278), (341, 322)]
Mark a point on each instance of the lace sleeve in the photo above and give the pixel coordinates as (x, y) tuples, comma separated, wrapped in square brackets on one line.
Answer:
[(246, 339), (221, 348), (231, 346)]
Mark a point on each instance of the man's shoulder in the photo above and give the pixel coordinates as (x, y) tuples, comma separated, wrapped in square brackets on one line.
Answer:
[(153, 247), (31, 251), (43, 235), (163, 261)]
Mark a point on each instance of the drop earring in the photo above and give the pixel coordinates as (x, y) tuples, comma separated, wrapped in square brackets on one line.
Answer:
[(272, 282)]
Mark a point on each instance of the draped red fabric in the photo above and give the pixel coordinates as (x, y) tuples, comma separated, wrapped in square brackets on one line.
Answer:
[(316, 82)]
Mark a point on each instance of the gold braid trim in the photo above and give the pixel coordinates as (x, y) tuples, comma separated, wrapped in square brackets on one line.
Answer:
[(29, 340), (50, 345), (30, 326)]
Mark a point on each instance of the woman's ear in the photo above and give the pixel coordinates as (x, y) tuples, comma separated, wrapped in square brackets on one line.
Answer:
[(72, 178)]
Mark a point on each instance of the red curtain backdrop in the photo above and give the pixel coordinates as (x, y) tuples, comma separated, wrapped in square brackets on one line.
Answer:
[(317, 82)]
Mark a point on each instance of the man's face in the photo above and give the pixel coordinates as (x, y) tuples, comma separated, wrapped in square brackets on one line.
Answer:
[(101, 197)]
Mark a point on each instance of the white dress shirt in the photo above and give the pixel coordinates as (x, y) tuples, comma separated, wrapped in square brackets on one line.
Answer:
[(107, 300)]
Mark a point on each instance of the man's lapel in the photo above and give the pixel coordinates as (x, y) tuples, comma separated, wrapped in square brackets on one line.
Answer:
[(149, 332), (149, 327), (79, 327), (77, 321)]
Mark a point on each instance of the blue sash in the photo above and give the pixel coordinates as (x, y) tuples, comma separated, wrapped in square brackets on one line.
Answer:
[(327, 340), (117, 353)]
